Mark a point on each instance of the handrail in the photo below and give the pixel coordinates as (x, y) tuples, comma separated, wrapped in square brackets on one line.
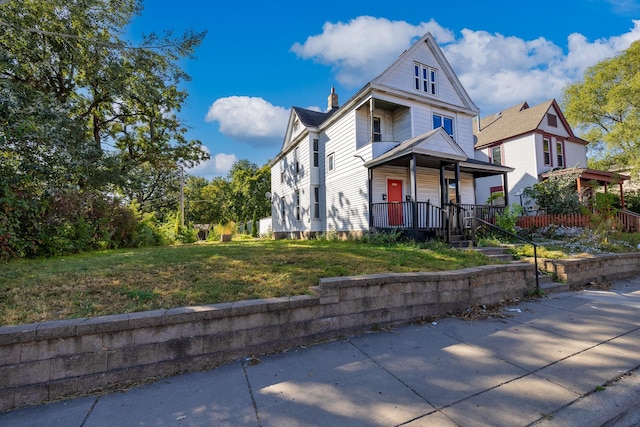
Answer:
[(535, 246)]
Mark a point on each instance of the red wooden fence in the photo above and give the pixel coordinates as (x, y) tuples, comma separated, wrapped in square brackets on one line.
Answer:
[(626, 221), (570, 220)]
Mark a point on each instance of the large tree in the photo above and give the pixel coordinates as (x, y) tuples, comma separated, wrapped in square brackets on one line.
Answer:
[(605, 107), (82, 110)]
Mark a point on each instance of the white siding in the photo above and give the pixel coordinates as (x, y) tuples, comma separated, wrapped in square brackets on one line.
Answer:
[(575, 154), (402, 77), (347, 202)]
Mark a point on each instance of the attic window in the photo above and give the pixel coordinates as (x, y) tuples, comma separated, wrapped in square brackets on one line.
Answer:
[(552, 120), (425, 78), (296, 125)]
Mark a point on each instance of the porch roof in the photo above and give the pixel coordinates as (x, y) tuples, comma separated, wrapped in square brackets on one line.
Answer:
[(586, 174), (431, 150)]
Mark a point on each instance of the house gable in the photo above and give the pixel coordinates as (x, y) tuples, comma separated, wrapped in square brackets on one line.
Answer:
[(425, 52), (436, 143), (520, 120)]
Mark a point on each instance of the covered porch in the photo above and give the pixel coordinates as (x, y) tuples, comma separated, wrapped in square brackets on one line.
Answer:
[(426, 187)]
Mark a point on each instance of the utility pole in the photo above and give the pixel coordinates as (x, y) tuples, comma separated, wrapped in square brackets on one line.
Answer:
[(182, 195)]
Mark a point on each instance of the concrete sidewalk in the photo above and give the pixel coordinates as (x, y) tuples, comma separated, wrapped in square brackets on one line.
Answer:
[(564, 360)]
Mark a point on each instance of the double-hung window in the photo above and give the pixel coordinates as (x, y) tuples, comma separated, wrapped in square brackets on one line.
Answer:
[(496, 155), (330, 162), (316, 203), (546, 149), (283, 207), (425, 78), (316, 153), (281, 170), (296, 160), (443, 121), (560, 154), (297, 196), (377, 130)]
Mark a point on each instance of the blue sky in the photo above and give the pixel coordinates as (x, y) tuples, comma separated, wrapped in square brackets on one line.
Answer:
[(261, 58)]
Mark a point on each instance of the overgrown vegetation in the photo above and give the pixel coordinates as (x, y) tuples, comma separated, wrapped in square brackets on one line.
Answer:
[(127, 280)]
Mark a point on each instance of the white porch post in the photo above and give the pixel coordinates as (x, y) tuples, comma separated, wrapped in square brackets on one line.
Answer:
[(414, 192)]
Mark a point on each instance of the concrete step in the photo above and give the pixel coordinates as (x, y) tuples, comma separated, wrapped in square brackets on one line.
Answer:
[(496, 252)]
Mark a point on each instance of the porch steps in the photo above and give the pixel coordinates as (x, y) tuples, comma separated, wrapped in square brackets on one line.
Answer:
[(496, 252)]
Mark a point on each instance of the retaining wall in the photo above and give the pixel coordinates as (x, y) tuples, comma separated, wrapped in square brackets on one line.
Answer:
[(594, 268), (51, 360)]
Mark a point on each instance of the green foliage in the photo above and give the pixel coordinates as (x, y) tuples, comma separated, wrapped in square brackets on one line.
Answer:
[(84, 117), (509, 217), (605, 108), (556, 195)]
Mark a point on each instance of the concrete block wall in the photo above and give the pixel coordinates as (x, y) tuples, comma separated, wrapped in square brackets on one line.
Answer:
[(594, 268), (52, 360)]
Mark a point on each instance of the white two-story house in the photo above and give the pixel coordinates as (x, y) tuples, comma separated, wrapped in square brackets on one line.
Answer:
[(537, 142), (398, 155)]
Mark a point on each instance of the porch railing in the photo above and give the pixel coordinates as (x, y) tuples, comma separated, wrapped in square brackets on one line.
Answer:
[(429, 217)]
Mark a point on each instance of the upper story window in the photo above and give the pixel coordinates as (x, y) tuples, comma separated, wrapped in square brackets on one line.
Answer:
[(281, 170), (296, 159), (377, 130), (316, 153), (546, 149), (552, 120), (330, 162), (425, 78), (443, 121), (560, 154), (496, 155)]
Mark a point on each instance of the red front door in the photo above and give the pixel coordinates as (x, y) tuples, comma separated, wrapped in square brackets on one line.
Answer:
[(394, 198)]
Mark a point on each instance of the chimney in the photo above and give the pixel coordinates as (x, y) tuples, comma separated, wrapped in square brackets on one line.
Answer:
[(333, 99)]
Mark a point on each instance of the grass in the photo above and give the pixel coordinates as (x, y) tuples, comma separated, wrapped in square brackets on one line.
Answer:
[(123, 281)]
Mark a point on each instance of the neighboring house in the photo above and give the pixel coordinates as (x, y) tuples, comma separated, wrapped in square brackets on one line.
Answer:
[(393, 156), (537, 142)]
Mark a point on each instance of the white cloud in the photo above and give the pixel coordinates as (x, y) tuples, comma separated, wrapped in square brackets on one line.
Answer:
[(218, 165), (624, 6), (364, 45), (500, 71), (497, 71), (252, 120)]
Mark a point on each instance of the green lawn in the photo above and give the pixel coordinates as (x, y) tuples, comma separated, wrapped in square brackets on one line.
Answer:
[(123, 281)]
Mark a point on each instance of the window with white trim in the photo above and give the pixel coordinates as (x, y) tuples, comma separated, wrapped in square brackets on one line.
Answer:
[(425, 78), (296, 159), (282, 170), (444, 122), (546, 149), (316, 202), (283, 207), (316, 153), (377, 130), (560, 154), (297, 196), (330, 162)]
